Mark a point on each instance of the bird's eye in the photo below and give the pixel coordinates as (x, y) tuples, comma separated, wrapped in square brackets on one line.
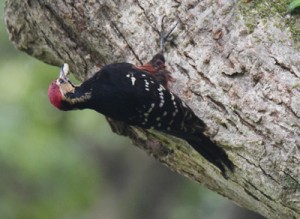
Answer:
[(61, 81)]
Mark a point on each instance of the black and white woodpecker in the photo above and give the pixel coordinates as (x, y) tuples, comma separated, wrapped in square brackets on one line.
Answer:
[(139, 96)]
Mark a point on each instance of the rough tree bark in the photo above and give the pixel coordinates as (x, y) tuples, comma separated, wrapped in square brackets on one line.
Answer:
[(236, 64)]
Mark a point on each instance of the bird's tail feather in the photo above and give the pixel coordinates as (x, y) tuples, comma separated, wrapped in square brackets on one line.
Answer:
[(209, 150)]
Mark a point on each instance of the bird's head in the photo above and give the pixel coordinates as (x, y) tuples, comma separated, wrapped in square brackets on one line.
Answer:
[(59, 88)]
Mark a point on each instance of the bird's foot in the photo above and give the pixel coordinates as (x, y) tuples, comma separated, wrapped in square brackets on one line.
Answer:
[(164, 36)]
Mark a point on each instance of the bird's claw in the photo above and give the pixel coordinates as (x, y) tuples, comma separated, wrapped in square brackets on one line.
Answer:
[(165, 35)]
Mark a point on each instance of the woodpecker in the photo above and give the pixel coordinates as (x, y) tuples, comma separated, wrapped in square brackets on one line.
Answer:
[(139, 96)]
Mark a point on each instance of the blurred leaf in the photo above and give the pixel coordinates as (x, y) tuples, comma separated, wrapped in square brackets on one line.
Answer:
[(293, 5)]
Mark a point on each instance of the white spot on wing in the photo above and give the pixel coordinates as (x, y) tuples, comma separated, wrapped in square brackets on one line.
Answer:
[(133, 79), (146, 85), (161, 96), (161, 88), (172, 96)]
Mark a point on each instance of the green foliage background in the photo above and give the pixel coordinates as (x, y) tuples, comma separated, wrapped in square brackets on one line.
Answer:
[(62, 165)]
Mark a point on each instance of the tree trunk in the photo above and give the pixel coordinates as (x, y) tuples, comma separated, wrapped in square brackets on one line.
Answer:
[(236, 64)]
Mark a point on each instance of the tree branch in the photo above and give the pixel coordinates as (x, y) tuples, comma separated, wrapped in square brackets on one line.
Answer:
[(236, 65)]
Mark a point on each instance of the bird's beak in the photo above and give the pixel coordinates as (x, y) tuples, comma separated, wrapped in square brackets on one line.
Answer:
[(64, 71), (63, 74)]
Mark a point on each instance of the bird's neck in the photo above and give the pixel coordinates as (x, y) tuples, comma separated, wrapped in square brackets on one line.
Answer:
[(78, 99)]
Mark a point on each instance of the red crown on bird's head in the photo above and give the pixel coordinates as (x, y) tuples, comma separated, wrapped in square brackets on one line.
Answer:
[(55, 94)]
